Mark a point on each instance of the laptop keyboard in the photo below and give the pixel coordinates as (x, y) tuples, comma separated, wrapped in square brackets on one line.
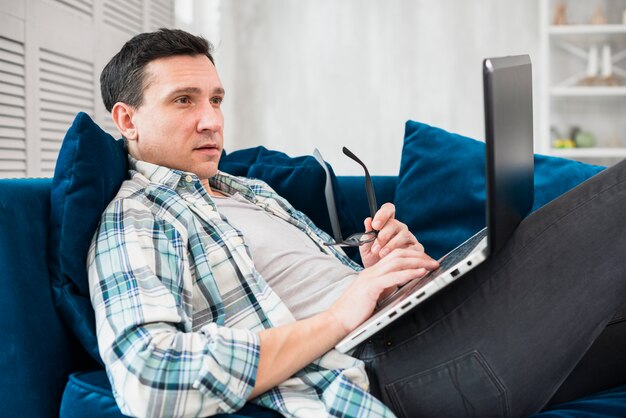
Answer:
[(445, 263), (462, 251)]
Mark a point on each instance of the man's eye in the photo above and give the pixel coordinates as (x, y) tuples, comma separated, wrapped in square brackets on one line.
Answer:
[(217, 100), (182, 100)]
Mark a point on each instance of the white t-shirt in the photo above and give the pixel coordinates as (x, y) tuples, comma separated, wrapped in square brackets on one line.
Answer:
[(306, 279)]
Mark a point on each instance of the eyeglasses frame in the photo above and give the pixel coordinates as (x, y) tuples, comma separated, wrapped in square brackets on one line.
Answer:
[(358, 238)]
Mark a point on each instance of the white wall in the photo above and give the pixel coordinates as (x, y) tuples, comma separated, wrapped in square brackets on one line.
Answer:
[(327, 73)]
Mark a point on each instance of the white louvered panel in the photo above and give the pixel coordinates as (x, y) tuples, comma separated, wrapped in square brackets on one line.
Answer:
[(11, 144), (134, 6), (161, 14), (110, 128), (16, 157), (48, 145), (13, 169), (58, 75), (48, 161), (11, 89), (57, 94), (65, 88), (12, 121), (59, 108), (12, 101), (107, 124), (83, 6), (12, 78), (55, 123), (17, 48), (10, 67), (64, 61), (53, 127), (123, 15), (12, 136), (12, 109)]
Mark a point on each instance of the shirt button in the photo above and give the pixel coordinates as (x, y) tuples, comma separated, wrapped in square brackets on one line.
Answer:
[(188, 178)]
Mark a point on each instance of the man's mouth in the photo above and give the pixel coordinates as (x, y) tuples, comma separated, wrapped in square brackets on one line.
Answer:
[(208, 150), (206, 147)]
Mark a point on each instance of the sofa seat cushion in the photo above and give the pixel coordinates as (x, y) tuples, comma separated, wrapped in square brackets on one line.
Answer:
[(610, 403), (89, 395), (441, 185)]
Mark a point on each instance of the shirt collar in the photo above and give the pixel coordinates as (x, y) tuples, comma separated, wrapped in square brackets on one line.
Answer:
[(171, 178), (158, 174)]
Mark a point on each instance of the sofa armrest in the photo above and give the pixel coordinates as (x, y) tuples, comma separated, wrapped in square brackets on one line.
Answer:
[(36, 351)]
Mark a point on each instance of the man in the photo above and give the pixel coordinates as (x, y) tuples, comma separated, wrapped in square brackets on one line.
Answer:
[(211, 290)]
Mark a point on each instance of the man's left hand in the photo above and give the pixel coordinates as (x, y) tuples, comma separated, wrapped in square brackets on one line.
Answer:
[(392, 234)]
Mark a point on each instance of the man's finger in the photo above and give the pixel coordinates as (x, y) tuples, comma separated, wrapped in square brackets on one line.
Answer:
[(400, 240), (384, 214), (390, 231)]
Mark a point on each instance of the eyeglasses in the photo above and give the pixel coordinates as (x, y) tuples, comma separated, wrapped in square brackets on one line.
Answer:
[(359, 238)]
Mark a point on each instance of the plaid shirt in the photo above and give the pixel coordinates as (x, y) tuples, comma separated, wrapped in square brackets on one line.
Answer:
[(179, 304)]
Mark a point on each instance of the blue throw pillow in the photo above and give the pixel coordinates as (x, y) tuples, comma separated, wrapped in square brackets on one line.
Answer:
[(441, 185), (300, 180), (90, 169)]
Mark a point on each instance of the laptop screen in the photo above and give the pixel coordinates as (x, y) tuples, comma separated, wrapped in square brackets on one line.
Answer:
[(507, 87)]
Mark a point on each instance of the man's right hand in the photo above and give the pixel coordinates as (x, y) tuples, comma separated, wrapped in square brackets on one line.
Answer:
[(288, 348), (359, 300)]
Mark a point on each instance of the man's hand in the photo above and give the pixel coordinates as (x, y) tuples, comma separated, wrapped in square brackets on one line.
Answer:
[(288, 348), (357, 303), (392, 260), (392, 234)]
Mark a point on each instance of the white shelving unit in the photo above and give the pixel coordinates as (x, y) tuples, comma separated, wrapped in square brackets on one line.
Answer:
[(565, 101)]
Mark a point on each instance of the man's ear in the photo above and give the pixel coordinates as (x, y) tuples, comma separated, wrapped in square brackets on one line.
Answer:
[(122, 114)]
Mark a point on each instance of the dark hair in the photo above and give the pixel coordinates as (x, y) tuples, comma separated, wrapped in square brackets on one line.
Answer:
[(124, 78)]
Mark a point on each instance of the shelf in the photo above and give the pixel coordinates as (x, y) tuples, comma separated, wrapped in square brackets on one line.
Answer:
[(566, 99), (589, 152), (576, 91), (586, 29)]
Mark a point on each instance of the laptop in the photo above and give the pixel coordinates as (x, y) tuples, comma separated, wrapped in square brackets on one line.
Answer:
[(507, 89)]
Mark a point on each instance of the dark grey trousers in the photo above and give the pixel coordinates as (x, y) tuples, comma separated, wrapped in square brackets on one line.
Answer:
[(526, 326)]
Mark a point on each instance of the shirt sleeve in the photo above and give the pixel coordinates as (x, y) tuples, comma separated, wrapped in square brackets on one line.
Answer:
[(141, 290)]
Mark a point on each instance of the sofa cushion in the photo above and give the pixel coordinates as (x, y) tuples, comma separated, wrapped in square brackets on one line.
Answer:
[(90, 169), (89, 395), (300, 180), (441, 185)]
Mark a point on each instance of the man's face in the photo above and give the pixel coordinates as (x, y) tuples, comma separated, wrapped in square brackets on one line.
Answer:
[(180, 123)]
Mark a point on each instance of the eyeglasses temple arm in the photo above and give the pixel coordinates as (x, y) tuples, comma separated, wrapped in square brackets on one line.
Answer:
[(330, 198), (369, 186)]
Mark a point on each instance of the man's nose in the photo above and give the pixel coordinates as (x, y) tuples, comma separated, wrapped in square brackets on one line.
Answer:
[(211, 119)]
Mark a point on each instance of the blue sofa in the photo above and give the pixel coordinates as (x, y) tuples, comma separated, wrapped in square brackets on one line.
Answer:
[(48, 368)]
